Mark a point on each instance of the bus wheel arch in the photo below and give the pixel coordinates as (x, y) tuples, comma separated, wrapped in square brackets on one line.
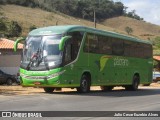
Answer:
[(85, 83), (136, 77), (135, 83)]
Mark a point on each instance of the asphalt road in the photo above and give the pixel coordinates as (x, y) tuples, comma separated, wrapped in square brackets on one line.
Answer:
[(145, 99)]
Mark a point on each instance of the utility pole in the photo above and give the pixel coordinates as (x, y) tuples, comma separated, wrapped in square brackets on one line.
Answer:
[(94, 18), (56, 22)]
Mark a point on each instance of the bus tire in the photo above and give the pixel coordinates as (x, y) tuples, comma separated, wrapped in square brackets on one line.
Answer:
[(48, 89), (135, 84), (147, 84), (84, 84), (106, 88)]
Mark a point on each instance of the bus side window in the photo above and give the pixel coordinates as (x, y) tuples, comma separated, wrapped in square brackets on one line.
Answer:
[(117, 47), (133, 49), (75, 43), (147, 51), (105, 45), (139, 50), (67, 53), (91, 44), (127, 48)]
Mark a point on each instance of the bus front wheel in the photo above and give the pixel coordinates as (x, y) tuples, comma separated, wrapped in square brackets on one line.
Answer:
[(84, 85), (48, 89)]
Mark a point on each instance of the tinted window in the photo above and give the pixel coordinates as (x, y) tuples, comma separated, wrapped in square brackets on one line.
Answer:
[(139, 50), (127, 48), (72, 46), (147, 51), (105, 45), (91, 43), (67, 56), (114, 46), (117, 47)]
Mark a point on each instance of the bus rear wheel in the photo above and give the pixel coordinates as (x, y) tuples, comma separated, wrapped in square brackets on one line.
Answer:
[(135, 84), (106, 88), (48, 89), (84, 85)]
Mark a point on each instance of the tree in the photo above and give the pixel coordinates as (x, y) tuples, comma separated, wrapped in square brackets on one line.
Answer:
[(128, 30), (2, 26), (156, 42), (119, 8), (133, 15), (125, 10), (3, 2), (14, 29), (80, 8)]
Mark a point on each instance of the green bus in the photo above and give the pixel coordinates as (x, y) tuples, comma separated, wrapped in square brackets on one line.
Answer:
[(79, 57)]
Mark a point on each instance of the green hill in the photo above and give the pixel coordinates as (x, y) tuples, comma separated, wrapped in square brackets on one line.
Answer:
[(27, 17)]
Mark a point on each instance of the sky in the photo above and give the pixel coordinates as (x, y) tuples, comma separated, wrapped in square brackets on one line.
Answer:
[(147, 9)]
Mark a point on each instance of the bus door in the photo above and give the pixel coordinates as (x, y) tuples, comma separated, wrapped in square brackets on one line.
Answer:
[(70, 55)]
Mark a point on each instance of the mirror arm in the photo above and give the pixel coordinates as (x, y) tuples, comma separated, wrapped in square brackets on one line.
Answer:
[(16, 43), (62, 43)]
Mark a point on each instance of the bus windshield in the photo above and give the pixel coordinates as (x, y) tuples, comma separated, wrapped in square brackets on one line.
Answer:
[(39, 50)]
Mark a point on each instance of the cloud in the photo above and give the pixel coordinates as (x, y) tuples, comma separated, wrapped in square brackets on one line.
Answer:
[(147, 9)]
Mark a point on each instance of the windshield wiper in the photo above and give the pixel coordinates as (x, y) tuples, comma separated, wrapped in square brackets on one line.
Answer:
[(36, 58), (46, 63)]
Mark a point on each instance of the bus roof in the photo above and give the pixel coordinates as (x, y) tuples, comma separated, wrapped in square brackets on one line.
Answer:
[(69, 28)]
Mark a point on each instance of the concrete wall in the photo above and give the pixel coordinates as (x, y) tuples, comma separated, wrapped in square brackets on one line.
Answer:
[(10, 63)]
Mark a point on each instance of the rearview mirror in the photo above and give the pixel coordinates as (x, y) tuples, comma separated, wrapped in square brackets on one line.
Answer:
[(62, 43), (16, 43)]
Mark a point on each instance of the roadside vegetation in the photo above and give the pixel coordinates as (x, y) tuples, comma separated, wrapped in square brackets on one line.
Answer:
[(18, 20), (129, 30), (79, 8), (156, 44), (9, 28)]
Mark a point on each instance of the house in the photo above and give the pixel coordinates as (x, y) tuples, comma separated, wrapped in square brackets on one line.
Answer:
[(157, 58), (156, 70), (156, 62), (9, 60)]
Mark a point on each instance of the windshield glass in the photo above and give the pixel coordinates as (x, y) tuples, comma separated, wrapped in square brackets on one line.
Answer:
[(31, 46), (51, 50), (41, 50)]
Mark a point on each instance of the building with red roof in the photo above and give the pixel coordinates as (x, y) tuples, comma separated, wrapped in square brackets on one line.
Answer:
[(9, 60), (8, 45), (157, 58)]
